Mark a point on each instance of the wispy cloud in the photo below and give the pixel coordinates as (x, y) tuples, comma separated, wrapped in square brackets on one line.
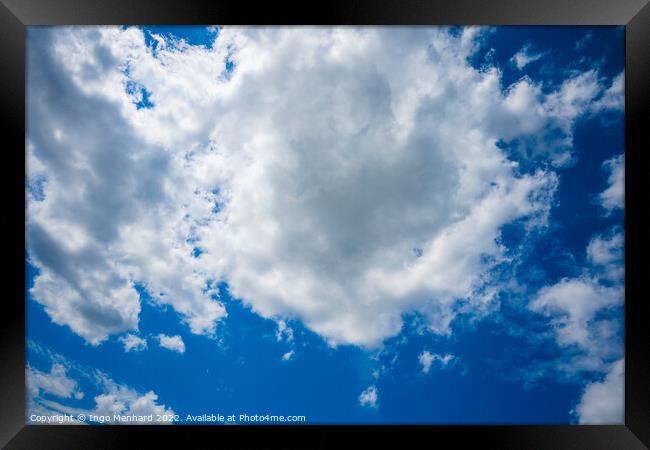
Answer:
[(283, 332), (525, 56), (58, 392), (369, 397), (427, 358)]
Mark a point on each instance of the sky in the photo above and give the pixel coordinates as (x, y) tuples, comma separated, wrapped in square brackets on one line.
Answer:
[(236, 225)]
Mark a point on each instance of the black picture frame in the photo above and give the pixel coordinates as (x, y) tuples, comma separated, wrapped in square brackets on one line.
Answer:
[(16, 15)]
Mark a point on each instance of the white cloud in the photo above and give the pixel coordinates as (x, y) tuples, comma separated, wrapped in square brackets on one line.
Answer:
[(604, 250), (573, 305), (525, 56), (614, 196), (586, 319), (133, 343), (109, 217), (288, 355), (117, 400), (614, 96), (606, 253), (56, 382), (174, 343), (539, 125), (427, 358), (121, 400), (369, 397), (348, 192), (64, 380), (283, 332), (604, 402)]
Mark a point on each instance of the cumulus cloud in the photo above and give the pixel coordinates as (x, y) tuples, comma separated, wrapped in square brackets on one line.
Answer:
[(573, 305), (586, 318), (603, 402), (613, 197), (603, 250), (427, 358), (541, 126), (366, 204), (369, 397), (106, 219), (122, 400), (606, 254), (585, 312), (133, 343), (173, 343), (316, 180), (288, 355), (525, 56), (117, 400)]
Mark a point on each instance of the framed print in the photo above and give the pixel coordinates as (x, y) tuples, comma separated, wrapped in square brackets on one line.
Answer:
[(386, 217)]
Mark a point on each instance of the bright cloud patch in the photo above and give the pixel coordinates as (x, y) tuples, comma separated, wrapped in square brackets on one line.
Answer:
[(133, 343), (341, 181), (284, 332), (586, 321), (340, 177), (427, 358), (120, 400), (369, 397), (614, 196), (574, 303), (288, 355), (525, 56), (541, 126), (606, 253), (603, 402), (117, 401), (173, 343)]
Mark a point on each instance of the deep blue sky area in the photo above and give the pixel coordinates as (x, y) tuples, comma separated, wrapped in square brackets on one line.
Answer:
[(192, 35), (244, 373), (241, 370)]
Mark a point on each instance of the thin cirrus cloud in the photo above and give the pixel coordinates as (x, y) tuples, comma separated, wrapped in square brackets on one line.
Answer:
[(51, 394), (56, 382), (525, 56), (317, 181)]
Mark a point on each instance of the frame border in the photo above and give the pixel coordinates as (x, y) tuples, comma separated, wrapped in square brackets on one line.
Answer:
[(16, 15)]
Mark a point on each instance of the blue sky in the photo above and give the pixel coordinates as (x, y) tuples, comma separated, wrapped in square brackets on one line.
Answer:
[(528, 331)]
